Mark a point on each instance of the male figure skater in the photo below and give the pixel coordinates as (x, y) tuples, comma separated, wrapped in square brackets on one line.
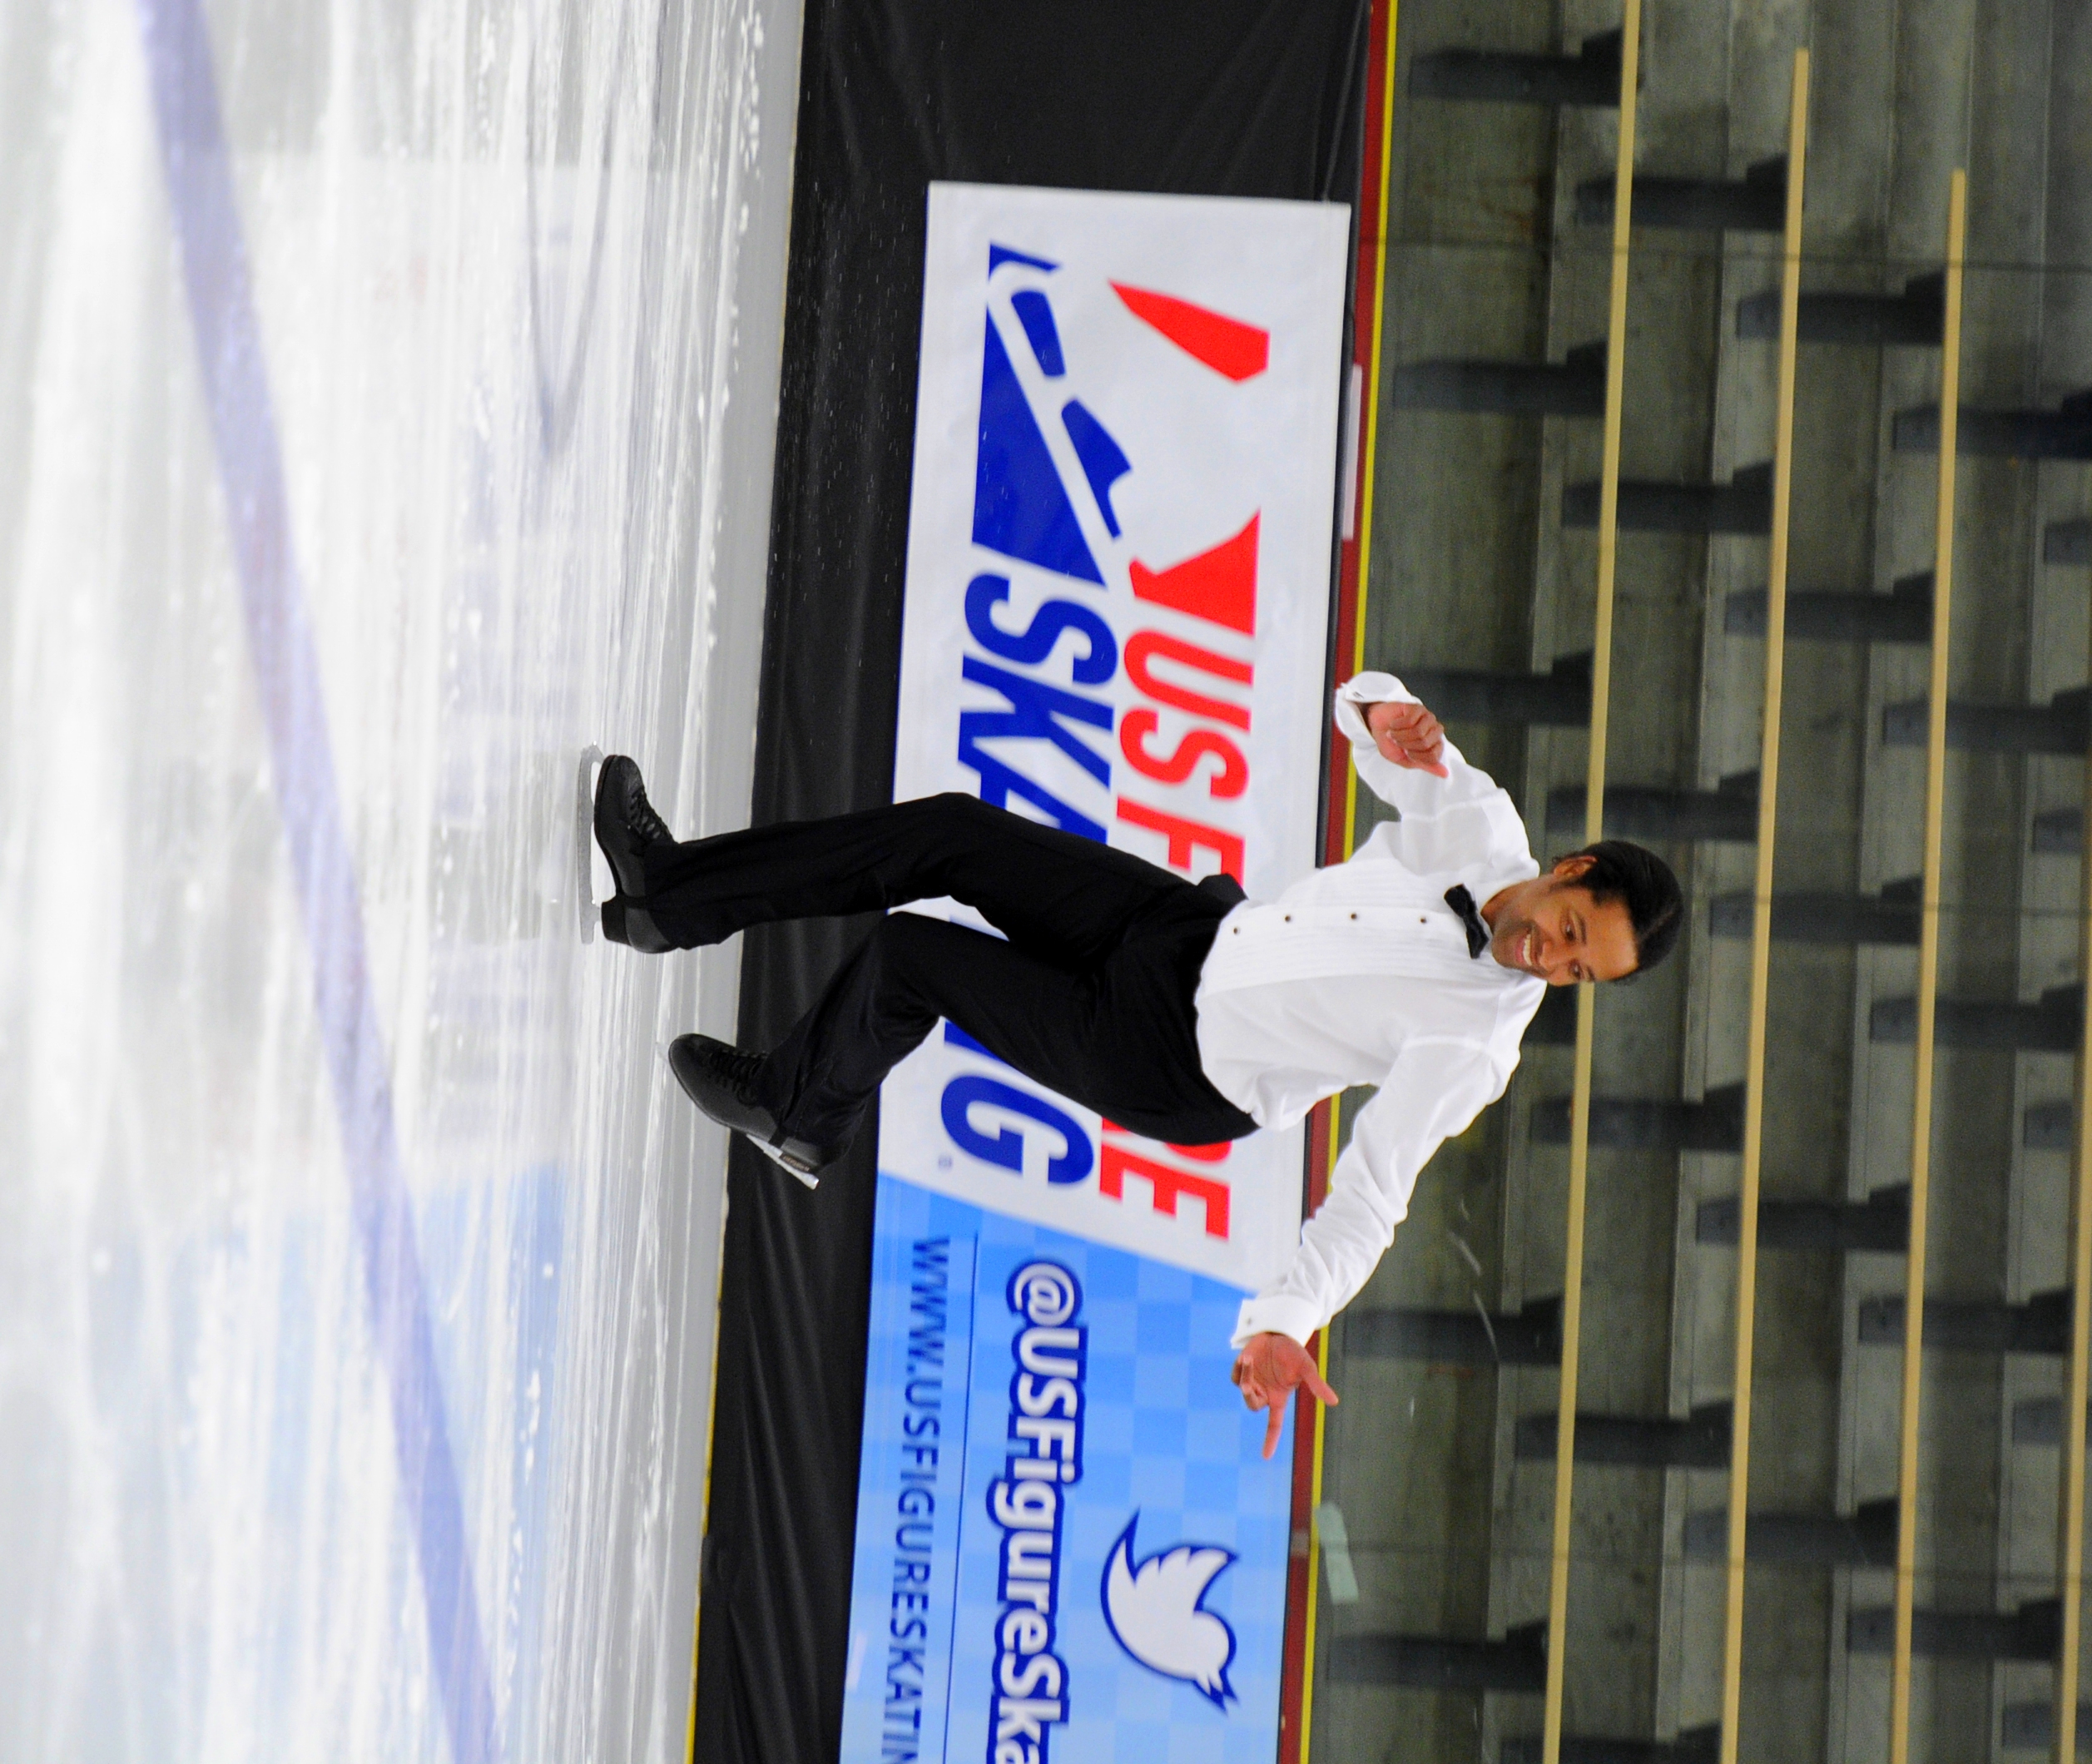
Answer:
[(1182, 1011)]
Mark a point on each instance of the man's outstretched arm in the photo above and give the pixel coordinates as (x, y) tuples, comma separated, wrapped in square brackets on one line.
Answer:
[(1453, 814), (1433, 1091)]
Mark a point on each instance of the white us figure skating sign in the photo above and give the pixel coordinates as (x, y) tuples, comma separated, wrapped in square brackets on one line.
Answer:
[(1116, 619)]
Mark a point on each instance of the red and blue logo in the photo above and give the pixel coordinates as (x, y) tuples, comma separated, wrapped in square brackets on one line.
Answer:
[(1030, 508)]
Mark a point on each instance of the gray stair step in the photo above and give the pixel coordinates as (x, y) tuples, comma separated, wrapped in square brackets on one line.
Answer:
[(1573, 387), (2060, 830), (2058, 726), (2032, 1632), (1755, 203), (2050, 1025), (2031, 1727), (1640, 811), (1516, 1663), (1560, 699), (2041, 1325), (2066, 542), (1891, 917), (2046, 1127), (1693, 1745), (2064, 432), (1916, 317), (1590, 76), (1865, 1539), (1744, 504), (2038, 1421), (1530, 1337), (1880, 1223), (1904, 615), (1698, 1442), (1715, 1124)]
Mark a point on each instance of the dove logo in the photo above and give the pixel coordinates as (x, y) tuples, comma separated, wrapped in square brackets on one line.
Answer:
[(1156, 1612)]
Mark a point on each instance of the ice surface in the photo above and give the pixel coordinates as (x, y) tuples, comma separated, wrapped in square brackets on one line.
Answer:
[(515, 282)]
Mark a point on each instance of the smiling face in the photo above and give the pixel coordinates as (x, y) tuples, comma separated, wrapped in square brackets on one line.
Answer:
[(1552, 928)]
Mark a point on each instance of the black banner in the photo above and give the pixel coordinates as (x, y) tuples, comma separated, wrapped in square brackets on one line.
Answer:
[(1221, 97)]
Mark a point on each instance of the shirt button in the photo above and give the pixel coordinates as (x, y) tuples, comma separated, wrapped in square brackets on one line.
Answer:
[(1289, 919), (1354, 915)]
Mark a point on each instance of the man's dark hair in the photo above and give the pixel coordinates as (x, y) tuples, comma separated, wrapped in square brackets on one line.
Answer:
[(1642, 882)]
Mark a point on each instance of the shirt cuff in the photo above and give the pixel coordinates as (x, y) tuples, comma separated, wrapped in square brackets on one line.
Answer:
[(1277, 1314), (1367, 688)]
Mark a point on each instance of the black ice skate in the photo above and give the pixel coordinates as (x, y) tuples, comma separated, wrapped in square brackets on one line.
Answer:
[(720, 1080), (626, 828)]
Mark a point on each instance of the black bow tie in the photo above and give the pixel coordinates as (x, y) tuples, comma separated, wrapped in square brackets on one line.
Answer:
[(1463, 903)]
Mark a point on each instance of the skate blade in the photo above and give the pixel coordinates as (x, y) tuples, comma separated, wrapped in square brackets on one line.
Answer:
[(805, 1178), (592, 759)]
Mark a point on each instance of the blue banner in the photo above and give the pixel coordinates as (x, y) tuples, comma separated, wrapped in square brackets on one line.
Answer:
[(1068, 1545)]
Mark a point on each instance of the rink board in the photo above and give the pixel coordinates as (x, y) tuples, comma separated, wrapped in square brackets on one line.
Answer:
[(1115, 622)]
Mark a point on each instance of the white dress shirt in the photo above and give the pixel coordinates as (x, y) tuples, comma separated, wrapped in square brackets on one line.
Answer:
[(1359, 974)]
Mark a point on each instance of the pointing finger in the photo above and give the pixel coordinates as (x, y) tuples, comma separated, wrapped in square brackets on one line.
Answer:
[(1274, 1427)]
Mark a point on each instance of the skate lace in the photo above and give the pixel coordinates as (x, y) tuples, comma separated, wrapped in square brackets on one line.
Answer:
[(739, 1069), (640, 818)]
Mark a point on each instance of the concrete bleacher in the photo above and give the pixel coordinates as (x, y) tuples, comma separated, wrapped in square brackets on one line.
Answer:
[(1441, 1457)]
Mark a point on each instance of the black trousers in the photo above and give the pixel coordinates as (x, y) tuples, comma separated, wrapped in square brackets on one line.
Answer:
[(1090, 995)]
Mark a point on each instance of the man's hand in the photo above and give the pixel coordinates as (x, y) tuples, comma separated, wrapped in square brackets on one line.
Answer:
[(1269, 1370), (1407, 734)]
